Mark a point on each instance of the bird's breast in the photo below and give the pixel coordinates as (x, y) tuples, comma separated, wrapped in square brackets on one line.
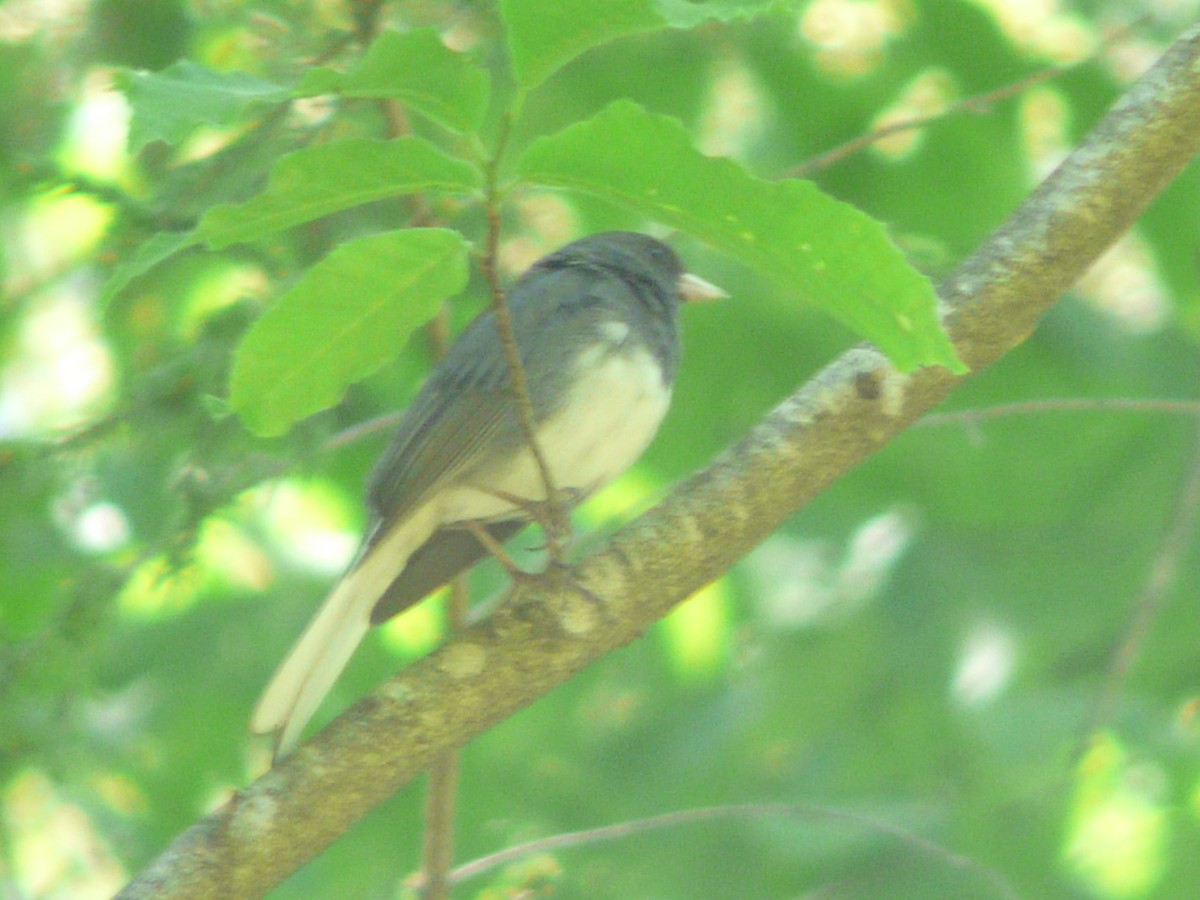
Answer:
[(616, 402), (615, 399)]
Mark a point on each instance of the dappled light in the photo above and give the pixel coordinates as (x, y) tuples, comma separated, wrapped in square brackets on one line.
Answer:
[(884, 661)]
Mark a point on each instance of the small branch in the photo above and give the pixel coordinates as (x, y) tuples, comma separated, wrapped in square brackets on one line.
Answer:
[(1160, 579), (977, 104), (366, 26), (621, 830), (1164, 568), (520, 388), (441, 794), (362, 430), (440, 800), (972, 417)]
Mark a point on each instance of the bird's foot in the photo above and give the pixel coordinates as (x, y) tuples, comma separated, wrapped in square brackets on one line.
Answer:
[(561, 573), (554, 517), (496, 549), (558, 571)]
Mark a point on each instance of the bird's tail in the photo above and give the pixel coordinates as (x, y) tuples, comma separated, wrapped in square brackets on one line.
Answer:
[(318, 658)]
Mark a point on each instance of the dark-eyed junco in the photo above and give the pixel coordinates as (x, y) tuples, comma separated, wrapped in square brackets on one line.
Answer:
[(596, 326)]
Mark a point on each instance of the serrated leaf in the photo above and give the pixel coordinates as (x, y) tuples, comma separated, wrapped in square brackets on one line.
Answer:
[(319, 180), (146, 257), (824, 251), (169, 105), (344, 318), (416, 68), (544, 35)]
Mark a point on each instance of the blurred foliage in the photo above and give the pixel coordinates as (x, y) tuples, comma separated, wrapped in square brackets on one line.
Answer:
[(925, 647)]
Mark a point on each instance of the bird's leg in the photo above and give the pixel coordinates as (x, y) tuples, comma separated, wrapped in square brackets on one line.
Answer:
[(559, 568), (496, 549), (554, 517), (555, 521)]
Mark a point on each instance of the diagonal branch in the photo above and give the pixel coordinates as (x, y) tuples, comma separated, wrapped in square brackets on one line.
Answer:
[(843, 415)]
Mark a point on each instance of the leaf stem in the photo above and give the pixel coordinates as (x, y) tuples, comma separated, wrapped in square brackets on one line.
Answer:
[(1161, 578), (555, 526)]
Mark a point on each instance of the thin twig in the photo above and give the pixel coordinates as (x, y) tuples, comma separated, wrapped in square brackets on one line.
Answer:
[(977, 104), (438, 853), (441, 795), (1151, 599), (366, 26), (607, 833), (1063, 404), (512, 353), (952, 417), (362, 430), (1164, 568)]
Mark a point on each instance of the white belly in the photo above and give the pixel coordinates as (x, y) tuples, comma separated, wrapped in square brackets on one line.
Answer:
[(614, 410)]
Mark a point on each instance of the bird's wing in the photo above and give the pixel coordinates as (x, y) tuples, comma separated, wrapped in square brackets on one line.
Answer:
[(446, 431), (449, 552), (466, 411)]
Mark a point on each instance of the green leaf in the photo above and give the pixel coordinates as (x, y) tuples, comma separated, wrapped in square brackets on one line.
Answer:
[(147, 256), (689, 13), (169, 105), (544, 35), (343, 319), (216, 407), (417, 68), (319, 180), (818, 248)]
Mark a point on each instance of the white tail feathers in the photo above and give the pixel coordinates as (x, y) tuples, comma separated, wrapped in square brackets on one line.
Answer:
[(310, 669), (318, 658)]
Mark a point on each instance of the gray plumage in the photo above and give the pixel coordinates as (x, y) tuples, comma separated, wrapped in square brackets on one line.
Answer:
[(597, 334), (467, 404)]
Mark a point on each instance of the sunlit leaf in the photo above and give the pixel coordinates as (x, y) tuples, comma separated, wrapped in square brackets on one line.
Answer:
[(320, 180), (169, 105), (146, 257), (416, 68), (687, 13), (544, 35), (344, 318), (816, 248)]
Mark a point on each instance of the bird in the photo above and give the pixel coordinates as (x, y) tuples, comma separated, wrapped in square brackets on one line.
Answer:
[(596, 329)]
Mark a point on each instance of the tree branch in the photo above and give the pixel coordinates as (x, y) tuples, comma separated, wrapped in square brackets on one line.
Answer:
[(695, 815), (545, 635)]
